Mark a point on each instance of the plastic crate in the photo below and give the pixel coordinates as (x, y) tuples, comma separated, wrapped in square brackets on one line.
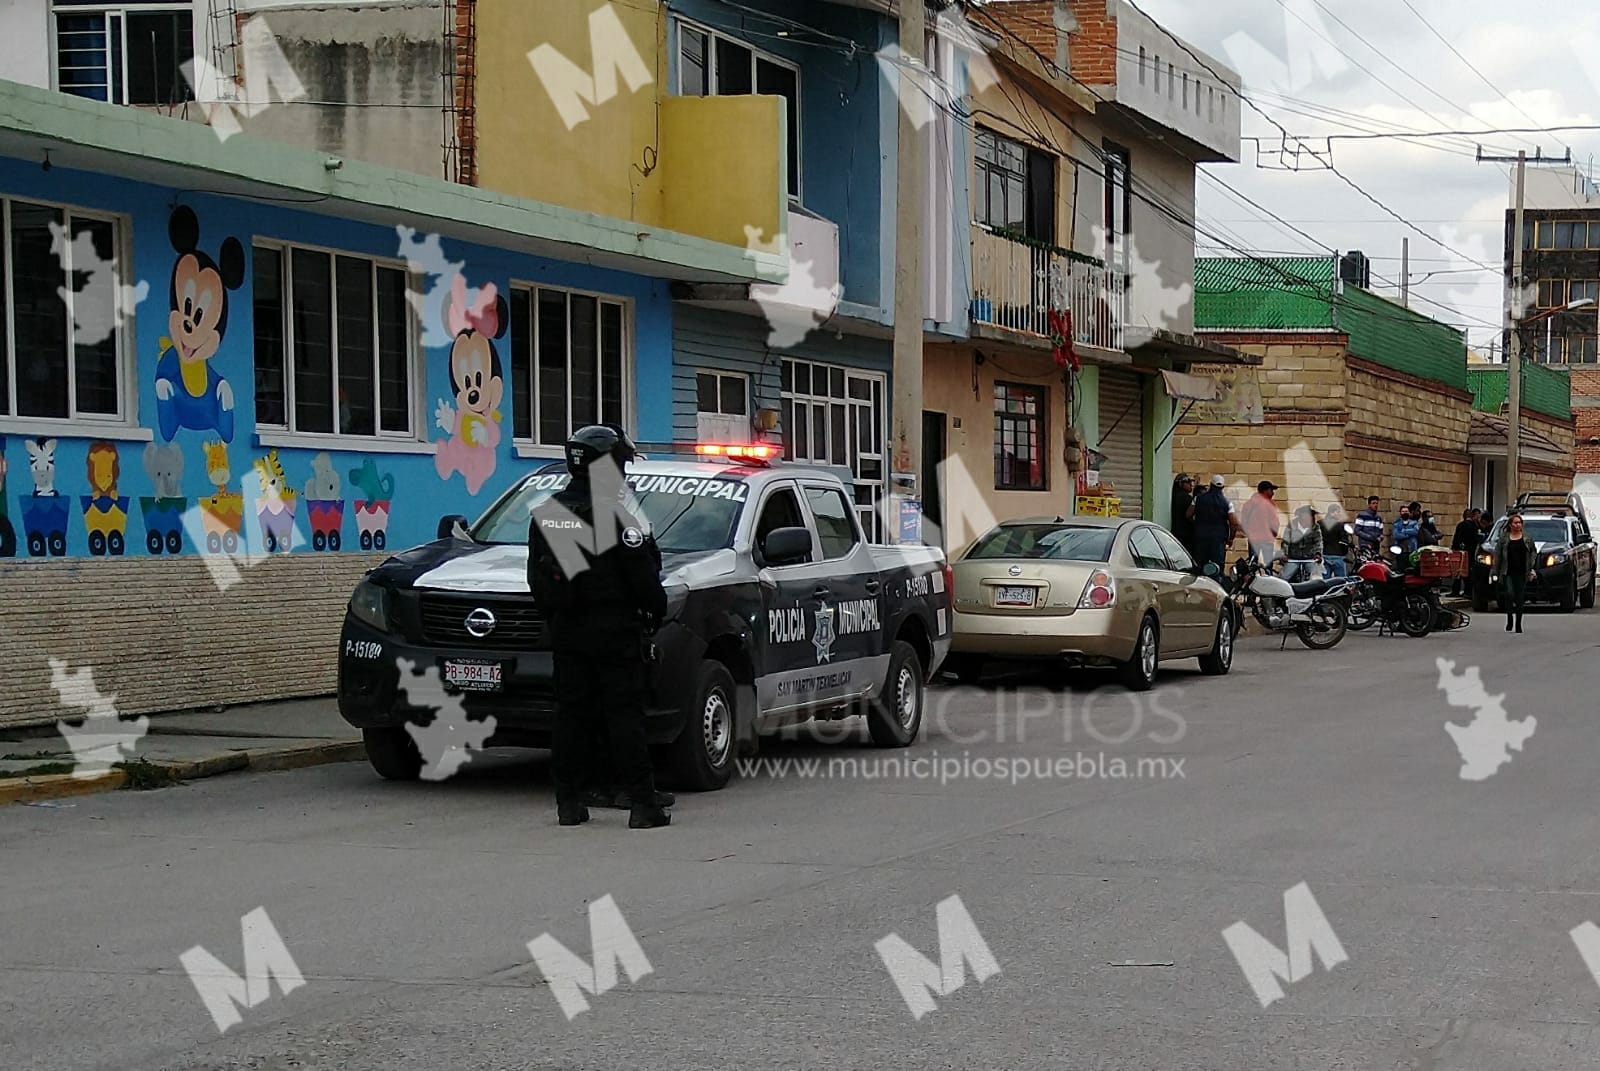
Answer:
[(1443, 563)]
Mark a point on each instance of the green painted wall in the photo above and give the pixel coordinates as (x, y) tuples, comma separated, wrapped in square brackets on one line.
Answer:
[(1544, 389)]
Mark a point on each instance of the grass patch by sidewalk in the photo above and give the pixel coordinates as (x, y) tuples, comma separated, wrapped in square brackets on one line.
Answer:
[(144, 775), (43, 768)]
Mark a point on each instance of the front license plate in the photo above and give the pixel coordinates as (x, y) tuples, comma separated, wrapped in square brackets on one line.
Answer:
[(1014, 596), (472, 676)]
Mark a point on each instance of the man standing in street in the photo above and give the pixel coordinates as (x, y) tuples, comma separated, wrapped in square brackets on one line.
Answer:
[(1302, 547), (1406, 528), (1335, 542), (1468, 535), (1215, 524), (1260, 519), (1369, 527), (1182, 524), (596, 573)]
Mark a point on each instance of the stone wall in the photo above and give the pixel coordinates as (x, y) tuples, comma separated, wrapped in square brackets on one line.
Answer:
[(162, 634)]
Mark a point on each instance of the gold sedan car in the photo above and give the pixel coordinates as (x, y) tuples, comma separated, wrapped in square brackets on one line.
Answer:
[(1091, 591)]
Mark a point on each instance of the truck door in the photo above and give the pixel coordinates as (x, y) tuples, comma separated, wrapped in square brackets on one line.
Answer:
[(785, 674), (853, 601)]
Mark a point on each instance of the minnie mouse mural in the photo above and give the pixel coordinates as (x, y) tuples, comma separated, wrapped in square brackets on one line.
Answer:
[(473, 423)]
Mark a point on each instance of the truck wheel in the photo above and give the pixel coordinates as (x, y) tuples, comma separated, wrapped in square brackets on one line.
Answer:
[(393, 754), (894, 715), (702, 755), (1586, 596), (1139, 672), (1569, 597)]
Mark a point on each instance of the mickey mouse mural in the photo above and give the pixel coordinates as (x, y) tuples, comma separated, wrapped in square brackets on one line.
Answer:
[(473, 423), (190, 393)]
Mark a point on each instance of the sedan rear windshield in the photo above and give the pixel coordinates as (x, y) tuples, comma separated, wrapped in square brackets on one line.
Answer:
[(1049, 542)]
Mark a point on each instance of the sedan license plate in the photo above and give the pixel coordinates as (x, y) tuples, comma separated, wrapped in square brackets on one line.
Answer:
[(1014, 596), (473, 676)]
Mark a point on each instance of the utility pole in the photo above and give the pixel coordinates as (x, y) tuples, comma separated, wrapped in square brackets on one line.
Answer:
[(1405, 273), (1514, 341), (910, 290)]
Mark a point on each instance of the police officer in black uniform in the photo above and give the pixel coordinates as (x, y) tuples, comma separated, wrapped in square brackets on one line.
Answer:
[(596, 571)]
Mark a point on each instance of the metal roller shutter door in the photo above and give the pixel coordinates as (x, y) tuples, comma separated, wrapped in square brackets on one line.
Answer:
[(1122, 437)]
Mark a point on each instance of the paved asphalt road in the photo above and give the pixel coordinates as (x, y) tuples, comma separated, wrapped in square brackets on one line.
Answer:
[(408, 908)]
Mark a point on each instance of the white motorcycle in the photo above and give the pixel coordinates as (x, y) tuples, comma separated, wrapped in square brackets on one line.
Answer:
[(1314, 610)]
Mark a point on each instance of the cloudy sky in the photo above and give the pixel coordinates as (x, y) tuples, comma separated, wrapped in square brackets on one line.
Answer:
[(1543, 54)]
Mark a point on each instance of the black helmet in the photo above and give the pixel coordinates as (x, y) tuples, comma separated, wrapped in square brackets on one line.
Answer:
[(589, 444)]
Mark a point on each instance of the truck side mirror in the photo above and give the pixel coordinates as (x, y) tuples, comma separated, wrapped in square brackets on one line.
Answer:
[(447, 525), (786, 546)]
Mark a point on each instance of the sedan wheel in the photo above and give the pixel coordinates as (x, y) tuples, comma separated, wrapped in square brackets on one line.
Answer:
[(1139, 672), (1220, 659)]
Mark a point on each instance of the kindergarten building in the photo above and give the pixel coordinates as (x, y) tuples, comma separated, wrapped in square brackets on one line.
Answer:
[(233, 374)]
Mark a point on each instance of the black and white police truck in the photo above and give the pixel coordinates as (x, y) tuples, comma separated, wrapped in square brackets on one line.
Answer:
[(779, 612)]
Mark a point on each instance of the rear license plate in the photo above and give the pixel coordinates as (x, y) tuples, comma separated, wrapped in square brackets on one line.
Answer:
[(473, 676), (1011, 596)]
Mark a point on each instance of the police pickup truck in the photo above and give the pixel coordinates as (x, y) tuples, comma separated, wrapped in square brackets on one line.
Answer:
[(779, 612)]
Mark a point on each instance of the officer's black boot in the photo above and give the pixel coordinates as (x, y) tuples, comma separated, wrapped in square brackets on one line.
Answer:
[(571, 814), (649, 817)]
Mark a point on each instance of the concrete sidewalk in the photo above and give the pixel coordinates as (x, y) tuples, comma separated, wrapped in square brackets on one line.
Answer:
[(37, 764)]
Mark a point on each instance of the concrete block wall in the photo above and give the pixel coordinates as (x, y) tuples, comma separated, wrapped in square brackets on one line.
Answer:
[(1397, 476), (160, 634), (1392, 405)]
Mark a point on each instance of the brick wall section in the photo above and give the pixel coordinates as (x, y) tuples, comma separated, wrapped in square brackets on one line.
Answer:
[(1585, 382), (1390, 405), (1398, 476), (1094, 46), (1586, 457), (1306, 459), (160, 636)]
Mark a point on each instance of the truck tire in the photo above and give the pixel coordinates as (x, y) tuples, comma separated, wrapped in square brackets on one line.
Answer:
[(702, 756), (1569, 597), (1480, 598), (1586, 596), (894, 715), (393, 754)]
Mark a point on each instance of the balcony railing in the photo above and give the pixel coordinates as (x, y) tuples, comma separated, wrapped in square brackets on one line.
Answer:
[(1016, 287)]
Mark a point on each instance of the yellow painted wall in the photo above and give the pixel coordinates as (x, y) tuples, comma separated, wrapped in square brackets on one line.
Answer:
[(718, 181), (1007, 109), (714, 165)]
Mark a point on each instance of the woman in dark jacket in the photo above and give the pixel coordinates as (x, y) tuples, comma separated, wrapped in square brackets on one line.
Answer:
[(1513, 563)]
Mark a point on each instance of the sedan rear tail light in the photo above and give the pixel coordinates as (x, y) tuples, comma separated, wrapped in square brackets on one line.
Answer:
[(1100, 593)]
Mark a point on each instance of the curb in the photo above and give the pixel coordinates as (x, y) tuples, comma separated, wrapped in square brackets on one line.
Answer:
[(57, 786)]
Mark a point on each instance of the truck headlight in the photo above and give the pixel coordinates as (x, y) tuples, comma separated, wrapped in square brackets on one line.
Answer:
[(1554, 559), (1486, 559), (369, 603)]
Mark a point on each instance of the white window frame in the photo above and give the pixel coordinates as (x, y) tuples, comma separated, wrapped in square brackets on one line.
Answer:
[(798, 194), (120, 97), (286, 434), (527, 446), (868, 516), (123, 424), (720, 375)]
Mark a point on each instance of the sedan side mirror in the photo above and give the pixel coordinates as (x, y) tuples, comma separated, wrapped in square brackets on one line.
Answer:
[(447, 525), (786, 546)]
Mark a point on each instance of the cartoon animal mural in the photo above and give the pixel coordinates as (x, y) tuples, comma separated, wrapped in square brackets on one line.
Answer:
[(276, 506), (44, 515), (372, 513), (8, 534), (105, 513), (163, 512), (221, 514), (324, 509), (190, 392), (473, 423)]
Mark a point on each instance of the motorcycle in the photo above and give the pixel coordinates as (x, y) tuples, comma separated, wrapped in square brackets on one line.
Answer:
[(1395, 600), (1314, 610)]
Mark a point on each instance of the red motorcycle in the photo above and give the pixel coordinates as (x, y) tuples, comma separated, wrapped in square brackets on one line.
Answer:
[(1396, 600)]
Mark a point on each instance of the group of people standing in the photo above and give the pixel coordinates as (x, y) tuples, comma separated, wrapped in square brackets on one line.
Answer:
[(1316, 543)]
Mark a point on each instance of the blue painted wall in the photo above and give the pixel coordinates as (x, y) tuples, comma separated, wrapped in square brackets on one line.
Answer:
[(843, 153), (401, 495)]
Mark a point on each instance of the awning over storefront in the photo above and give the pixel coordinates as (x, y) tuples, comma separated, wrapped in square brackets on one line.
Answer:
[(1190, 388)]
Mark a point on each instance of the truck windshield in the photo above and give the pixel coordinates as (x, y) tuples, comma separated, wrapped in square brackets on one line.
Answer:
[(686, 513), (1074, 543), (1543, 531)]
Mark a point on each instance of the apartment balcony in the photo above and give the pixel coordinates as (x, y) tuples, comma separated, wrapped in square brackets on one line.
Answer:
[(1015, 287)]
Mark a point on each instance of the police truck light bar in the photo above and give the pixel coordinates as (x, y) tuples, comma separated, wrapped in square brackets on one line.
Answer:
[(739, 452)]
